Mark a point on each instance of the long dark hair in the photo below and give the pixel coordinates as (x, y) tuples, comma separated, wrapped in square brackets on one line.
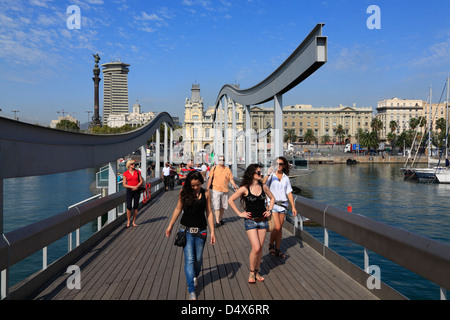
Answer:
[(247, 178), (187, 194), (286, 165)]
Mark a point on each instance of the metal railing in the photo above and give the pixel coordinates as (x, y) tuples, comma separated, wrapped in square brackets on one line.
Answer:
[(425, 257), (23, 242)]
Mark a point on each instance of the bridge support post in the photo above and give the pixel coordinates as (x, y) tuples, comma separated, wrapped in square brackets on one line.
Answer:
[(171, 146), (233, 140), (112, 187), (158, 154), (225, 111), (277, 140), (248, 137), (166, 158), (220, 136)]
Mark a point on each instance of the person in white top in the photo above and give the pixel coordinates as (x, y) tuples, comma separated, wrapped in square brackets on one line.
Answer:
[(279, 184), (166, 175)]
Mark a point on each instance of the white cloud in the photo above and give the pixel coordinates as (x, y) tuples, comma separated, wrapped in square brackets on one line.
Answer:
[(40, 3), (436, 54), (151, 17)]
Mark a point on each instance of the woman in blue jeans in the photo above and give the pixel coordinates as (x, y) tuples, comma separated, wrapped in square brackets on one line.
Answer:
[(253, 196), (194, 202)]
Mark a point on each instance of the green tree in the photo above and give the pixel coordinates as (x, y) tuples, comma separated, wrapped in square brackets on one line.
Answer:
[(325, 139), (67, 125), (441, 125), (309, 136), (289, 135), (413, 123), (393, 125), (376, 125), (369, 140), (340, 133)]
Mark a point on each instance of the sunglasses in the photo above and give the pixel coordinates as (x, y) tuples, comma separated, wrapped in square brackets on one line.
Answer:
[(280, 163), (259, 173)]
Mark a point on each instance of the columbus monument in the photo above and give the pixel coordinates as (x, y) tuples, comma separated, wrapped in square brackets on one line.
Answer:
[(96, 117)]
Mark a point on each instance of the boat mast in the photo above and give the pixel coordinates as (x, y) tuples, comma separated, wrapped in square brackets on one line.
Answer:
[(429, 129), (446, 125)]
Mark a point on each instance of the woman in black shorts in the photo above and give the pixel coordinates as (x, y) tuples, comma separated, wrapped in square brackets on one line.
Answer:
[(253, 197), (132, 180)]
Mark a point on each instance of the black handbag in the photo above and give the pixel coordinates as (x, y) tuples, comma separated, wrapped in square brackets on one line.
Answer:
[(180, 238)]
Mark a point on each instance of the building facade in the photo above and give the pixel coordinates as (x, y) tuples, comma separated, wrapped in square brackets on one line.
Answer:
[(399, 110), (322, 121), (135, 118), (198, 133), (115, 89)]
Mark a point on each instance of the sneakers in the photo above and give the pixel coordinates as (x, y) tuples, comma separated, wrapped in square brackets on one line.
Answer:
[(192, 296)]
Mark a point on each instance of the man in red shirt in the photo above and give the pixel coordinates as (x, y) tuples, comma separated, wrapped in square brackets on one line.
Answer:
[(185, 171)]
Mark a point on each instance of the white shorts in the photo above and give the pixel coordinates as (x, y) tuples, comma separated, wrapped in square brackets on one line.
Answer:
[(219, 200)]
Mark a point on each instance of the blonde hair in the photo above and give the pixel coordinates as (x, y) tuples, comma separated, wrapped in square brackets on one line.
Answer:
[(129, 162)]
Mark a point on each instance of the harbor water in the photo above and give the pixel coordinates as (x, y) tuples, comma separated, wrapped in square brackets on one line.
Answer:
[(380, 192), (377, 191)]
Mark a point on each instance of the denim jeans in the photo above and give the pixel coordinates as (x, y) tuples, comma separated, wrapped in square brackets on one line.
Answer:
[(193, 253)]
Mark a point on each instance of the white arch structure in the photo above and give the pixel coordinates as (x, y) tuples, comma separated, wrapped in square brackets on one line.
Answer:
[(309, 56)]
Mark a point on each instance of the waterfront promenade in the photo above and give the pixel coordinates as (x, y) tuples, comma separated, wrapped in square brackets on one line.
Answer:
[(140, 263)]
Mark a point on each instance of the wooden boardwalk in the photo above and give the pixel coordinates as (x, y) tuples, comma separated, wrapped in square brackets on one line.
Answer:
[(140, 263)]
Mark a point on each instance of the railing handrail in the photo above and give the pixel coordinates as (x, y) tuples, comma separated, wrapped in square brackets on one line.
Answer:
[(55, 151), (426, 257), (21, 243)]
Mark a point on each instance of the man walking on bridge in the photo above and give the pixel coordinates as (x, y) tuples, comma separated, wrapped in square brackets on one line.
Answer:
[(219, 178)]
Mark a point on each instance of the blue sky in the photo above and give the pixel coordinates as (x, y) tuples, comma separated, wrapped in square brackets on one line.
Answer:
[(46, 68)]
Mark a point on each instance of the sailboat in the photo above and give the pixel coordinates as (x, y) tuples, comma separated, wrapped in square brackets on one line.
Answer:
[(433, 172), (443, 175)]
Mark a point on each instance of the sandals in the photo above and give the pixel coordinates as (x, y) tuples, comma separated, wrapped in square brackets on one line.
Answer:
[(280, 254), (254, 276), (276, 252)]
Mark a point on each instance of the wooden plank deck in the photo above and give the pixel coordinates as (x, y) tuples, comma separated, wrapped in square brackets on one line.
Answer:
[(140, 263)]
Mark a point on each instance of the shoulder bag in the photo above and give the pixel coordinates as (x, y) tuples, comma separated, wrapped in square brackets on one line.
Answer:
[(180, 237)]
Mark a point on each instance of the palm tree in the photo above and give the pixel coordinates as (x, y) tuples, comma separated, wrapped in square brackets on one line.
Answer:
[(326, 138), (376, 125), (369, 140), (309, 136), (413, 123), (340, 132), (393, 125), (391, 137), (290, 135)]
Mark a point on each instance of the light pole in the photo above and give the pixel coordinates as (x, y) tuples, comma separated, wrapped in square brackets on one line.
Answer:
[(15, 111), (88, 112)]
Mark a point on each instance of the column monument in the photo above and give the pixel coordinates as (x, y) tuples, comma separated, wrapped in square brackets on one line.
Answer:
[(96, 117)]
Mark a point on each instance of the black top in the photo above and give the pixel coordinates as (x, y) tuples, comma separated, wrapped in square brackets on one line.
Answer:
[(194, 216), (255, 204)]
